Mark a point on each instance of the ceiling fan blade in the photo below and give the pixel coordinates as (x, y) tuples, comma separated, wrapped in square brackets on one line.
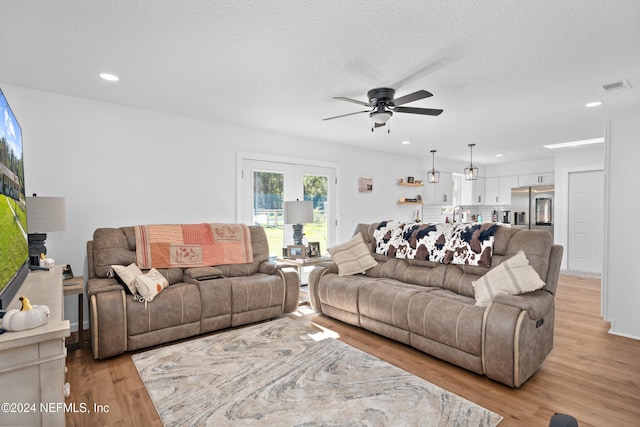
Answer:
[(421, 94), (355, 101), (424, 111), (345, 115)]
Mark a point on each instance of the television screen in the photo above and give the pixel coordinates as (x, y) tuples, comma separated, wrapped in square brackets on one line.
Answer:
[(14, 251)]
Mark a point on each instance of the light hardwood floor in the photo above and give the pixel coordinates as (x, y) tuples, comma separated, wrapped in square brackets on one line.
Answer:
[(590, 374)]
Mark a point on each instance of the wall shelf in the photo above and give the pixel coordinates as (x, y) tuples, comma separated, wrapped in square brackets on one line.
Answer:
[(410, 203), (407, 184)]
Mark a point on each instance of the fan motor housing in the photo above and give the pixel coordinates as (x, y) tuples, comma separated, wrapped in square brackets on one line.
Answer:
[(381, 95)]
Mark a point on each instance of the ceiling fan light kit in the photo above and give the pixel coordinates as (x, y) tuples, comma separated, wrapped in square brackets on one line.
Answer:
[(433, 176), (383, 105), (381, 116), (471, 172)]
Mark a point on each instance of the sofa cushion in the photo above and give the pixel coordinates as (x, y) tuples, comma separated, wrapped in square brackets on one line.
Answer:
[(512, 277), (127, 276), (175, 306), (387, 300), (338, 296), (151, 284), (447, 318), (352, 257)]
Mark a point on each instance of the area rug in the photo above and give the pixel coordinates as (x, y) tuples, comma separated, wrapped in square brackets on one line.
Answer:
[(283, 373)]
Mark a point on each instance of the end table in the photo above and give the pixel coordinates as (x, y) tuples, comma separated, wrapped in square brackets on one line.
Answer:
[(75, 286)]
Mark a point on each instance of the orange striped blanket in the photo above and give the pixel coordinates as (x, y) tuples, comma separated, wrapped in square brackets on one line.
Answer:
[(192, 245)]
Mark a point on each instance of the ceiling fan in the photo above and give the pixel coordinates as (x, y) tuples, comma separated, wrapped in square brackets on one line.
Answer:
[(383, 105)]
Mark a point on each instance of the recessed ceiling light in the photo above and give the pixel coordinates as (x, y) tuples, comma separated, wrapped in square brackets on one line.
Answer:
[(593, 104), (109, 77), (406, 142), (498, 155), (574, 143)]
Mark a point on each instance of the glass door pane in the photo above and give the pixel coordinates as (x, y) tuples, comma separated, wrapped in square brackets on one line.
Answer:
[(316, 189), (268, 193)]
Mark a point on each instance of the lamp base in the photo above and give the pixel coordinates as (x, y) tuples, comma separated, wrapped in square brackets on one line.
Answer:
[(36, 247), (297, 234)]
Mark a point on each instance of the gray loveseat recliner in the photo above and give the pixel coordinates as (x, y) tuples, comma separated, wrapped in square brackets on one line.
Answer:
[(245, 293), (431, 306)]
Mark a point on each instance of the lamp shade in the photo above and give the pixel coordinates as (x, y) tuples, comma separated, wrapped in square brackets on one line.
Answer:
[(46, 214), (298, 212)]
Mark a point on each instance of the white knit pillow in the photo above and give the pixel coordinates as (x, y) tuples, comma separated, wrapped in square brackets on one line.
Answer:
[(127, 275), (149, 285), (512, 277), (352, 257)]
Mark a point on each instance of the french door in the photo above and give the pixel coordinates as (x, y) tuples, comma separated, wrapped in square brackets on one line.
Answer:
[(267, 184)]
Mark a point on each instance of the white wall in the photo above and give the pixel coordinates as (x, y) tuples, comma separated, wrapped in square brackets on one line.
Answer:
[(119, 166), (621, 279)]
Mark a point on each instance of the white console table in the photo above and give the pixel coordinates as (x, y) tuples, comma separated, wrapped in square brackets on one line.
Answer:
[(32, 362)]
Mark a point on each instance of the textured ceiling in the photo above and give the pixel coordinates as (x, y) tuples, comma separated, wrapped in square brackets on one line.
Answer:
[(510, 75)]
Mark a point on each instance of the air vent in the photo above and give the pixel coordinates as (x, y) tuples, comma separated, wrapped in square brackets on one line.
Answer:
[(616, 86)]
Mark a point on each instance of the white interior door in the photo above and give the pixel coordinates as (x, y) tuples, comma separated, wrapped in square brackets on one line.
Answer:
[(267, 184), (585, 247)]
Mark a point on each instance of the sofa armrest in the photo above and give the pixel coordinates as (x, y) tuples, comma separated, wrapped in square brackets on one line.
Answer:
[(291, 288), (536, 303), (107, 317), (97, 285), (314, 280), (329, 265), (269, 267)]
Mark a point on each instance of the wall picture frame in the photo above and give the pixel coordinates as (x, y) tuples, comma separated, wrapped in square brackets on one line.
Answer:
[(296, 251), (314, 249), (365, 185)]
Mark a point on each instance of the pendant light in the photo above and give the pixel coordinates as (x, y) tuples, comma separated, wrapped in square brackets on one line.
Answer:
[(471, 172), (433, 176)]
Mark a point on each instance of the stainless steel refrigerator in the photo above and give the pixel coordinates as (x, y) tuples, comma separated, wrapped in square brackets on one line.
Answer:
[(532, 207)]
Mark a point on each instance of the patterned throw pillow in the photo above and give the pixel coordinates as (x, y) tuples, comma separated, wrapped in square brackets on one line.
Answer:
[(352, 257), (513, 277), (127, 276), (149, 285)]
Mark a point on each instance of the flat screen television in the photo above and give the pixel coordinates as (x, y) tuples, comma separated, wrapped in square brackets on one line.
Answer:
[(14, 250)]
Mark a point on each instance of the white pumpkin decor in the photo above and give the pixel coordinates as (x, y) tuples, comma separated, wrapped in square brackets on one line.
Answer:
[(28, 317)]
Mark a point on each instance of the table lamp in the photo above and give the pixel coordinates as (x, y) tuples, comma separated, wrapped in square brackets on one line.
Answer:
[(297, 213), (44, 215)]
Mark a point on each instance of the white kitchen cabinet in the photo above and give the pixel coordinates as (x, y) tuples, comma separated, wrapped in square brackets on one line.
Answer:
[(440, 194), (472, 192), (506, 184), (497, 190), (533, 180), (492, 191)]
